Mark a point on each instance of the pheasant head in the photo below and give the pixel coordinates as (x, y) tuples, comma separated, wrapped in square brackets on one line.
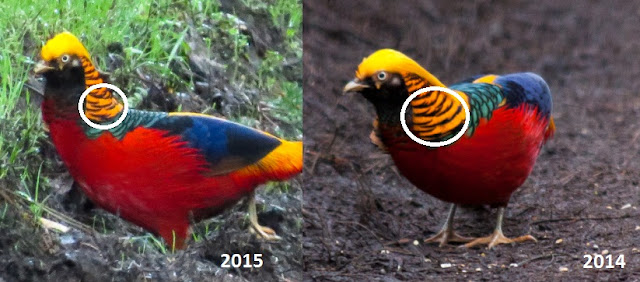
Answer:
[(66, 65), (389, 76), (386, 78)]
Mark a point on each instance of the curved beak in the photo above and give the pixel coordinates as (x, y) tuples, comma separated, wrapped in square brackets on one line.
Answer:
[(42, 67), (354, 86)]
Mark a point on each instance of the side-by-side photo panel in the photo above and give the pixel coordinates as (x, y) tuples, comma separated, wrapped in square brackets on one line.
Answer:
[(515, 160), (151, 141), (162, 140)]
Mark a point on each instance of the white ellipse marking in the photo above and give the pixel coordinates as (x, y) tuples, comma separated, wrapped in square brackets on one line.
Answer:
[(455, 138), (103, 126)]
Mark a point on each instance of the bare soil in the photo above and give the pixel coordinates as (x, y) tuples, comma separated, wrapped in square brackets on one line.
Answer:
[(362, 217)]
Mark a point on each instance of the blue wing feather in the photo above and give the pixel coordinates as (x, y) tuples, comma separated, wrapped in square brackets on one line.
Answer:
[(526, 87), (223, 143)]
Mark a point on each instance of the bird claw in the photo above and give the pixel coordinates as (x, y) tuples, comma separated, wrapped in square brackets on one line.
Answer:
[(498, 238), (265, 232), (445, 236)]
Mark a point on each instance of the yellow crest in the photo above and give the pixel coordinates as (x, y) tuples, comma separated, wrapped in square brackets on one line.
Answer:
[(392, 61), (61, 44)]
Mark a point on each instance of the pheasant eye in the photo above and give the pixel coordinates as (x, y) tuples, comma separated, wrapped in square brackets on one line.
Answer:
[(65, 58), (382, 75)]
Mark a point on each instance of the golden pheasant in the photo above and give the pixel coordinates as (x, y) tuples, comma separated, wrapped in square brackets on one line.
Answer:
[(510, 120)]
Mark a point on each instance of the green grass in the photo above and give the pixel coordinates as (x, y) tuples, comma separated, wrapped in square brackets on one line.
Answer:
[(148, 240), (19, 131), (153, 36)]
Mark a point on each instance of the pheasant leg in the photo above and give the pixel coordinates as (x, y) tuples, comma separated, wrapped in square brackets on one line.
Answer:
[(447, 234), (263, 231), (497, 237)]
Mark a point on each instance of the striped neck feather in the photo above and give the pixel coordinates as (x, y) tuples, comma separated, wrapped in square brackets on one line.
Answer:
[(436, 115), (100, 105)]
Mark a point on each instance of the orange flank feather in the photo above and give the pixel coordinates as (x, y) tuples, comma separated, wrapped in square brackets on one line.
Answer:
[(551, 129)]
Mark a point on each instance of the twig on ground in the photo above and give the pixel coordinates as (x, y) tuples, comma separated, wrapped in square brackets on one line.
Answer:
[(585, 218), (326, 151)]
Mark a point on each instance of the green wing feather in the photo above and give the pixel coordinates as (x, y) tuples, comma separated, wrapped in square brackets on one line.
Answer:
[(484, 98), (134, 118)]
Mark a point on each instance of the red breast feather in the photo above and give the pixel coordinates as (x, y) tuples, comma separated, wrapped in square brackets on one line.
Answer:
[(483, 169)]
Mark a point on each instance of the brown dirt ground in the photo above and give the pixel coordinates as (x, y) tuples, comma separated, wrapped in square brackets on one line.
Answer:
[(355, 202)]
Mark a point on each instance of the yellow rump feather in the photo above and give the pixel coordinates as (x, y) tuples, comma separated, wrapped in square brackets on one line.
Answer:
[(490, 78), (281, 163)]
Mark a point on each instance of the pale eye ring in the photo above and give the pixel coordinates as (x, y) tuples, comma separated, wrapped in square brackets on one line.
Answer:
[(64, 58), (382, 76)]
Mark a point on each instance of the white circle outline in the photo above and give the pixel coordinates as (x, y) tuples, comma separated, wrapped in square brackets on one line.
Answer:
[(101, 126), (455, 138)]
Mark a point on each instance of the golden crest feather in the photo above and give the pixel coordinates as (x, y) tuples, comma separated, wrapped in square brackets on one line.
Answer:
[(61, 44), (390, 60)]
